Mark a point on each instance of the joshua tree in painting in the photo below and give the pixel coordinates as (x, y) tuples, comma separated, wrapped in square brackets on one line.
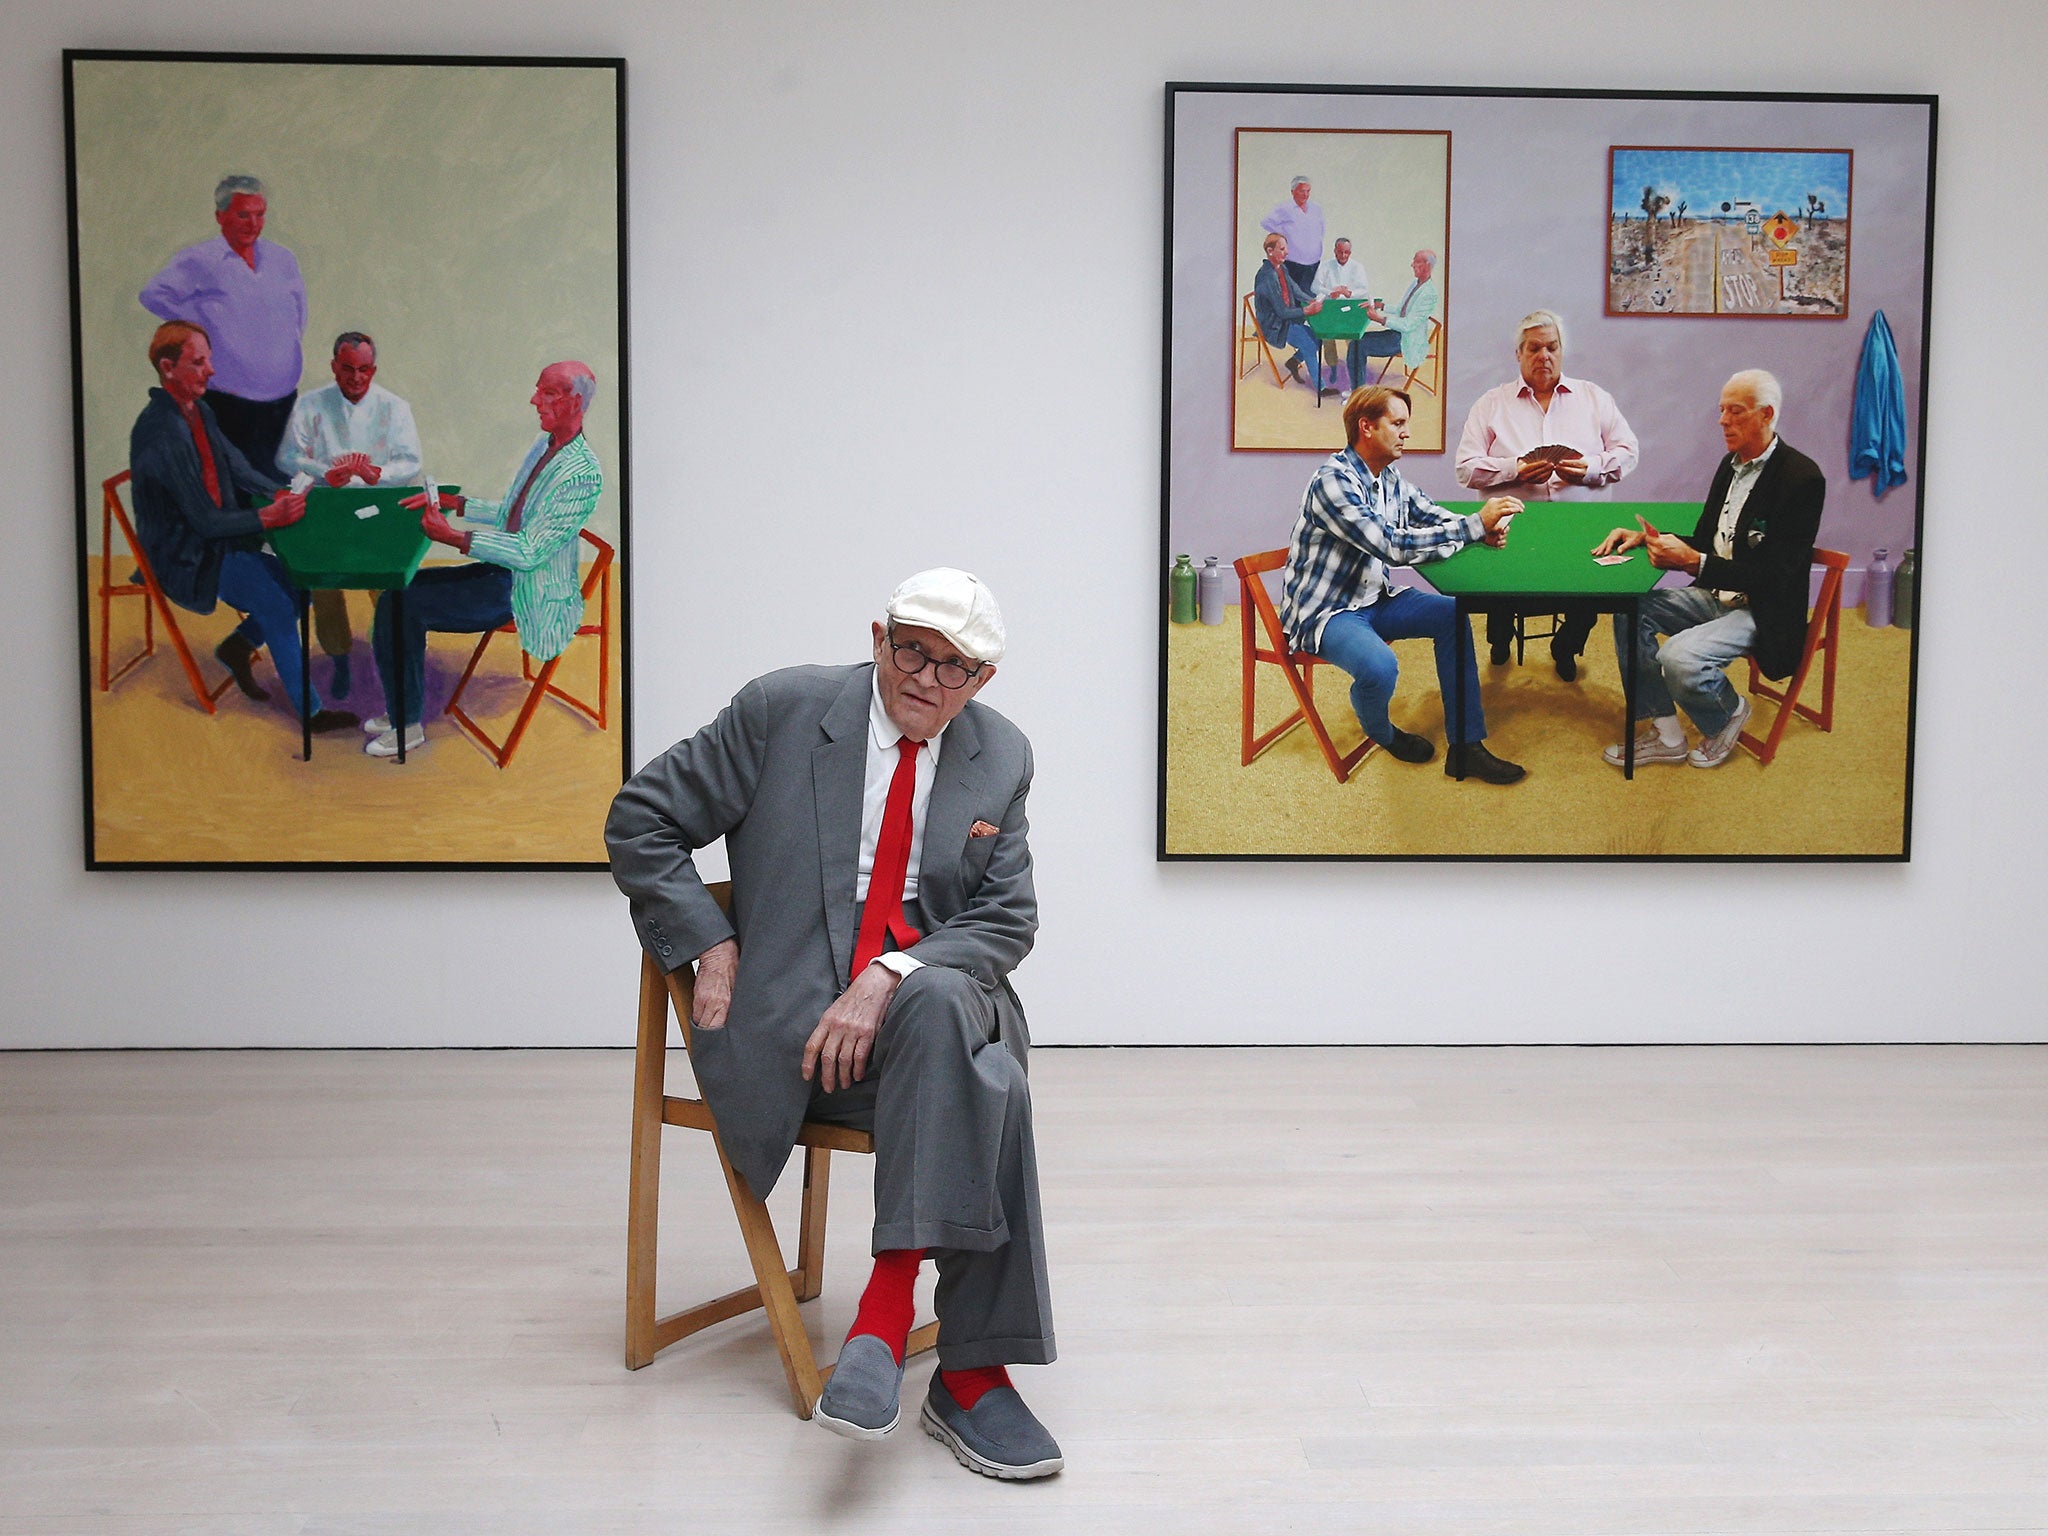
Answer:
[(1654, 203)]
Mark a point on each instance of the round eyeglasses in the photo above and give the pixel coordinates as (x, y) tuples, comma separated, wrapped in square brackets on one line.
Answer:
[(911, 660)]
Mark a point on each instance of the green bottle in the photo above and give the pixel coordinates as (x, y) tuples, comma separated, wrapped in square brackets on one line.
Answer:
[(1906, 590), (1183, 580)]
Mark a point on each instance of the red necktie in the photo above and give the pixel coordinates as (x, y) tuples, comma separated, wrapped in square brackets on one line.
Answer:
[(207, 472), (883, 914)]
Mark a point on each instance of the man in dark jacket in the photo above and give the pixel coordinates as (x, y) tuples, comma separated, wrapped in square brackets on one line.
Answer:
[(1283, 307), (1749, 557), (191, 488)]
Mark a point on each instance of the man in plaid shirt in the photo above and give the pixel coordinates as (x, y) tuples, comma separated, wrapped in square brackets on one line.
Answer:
[(1358, 517)]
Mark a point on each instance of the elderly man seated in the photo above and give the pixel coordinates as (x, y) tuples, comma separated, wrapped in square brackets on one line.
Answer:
[(873, 819), (525, 551), (192, 488)]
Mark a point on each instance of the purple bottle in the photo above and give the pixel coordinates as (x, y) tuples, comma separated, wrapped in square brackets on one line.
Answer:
[(1877, 593)]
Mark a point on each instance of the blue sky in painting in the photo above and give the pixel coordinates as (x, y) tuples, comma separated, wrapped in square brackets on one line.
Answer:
[(1706, 178)]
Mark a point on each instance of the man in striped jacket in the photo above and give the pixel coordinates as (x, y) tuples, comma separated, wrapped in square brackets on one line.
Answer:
[(525, 549)]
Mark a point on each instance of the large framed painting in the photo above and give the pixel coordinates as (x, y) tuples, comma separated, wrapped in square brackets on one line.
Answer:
[(349, 384), (1604, 561)]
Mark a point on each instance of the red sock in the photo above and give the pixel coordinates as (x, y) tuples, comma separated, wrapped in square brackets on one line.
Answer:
[(886, 1306), (968, 1386)]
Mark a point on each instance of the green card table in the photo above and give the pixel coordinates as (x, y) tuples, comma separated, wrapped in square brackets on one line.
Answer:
[(356, 538), (1548, 558), (1337, 320)]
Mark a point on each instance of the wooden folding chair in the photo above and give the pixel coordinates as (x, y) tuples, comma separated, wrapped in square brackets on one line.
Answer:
[(777, 1289), (154, 604), (1248, 334), (1823, 633), (542, 683), (1255, 610), (1432, 363)]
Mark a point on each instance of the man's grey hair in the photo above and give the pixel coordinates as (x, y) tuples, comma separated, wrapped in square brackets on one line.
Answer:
[(1536, 320), (1764, 390), (1344, 240), (355, 339), (1427, 255), (1299, 181), (232, 187), (584, 384)]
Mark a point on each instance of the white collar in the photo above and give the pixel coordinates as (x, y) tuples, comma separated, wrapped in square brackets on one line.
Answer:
[(1750, 466)]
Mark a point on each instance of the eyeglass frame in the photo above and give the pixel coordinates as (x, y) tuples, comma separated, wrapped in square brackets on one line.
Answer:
[(926, 659)]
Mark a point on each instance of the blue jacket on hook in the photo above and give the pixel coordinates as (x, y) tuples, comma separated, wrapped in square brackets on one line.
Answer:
[(1877, 443)]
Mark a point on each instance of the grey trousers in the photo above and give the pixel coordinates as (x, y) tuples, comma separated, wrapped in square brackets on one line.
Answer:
[(956, 1173)]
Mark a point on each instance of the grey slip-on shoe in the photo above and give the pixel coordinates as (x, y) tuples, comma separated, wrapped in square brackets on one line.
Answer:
[(863, 1399), (1000, 1437)]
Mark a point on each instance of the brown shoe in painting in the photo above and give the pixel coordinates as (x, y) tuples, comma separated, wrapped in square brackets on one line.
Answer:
[(239, 657), (1471, 760), (326, 720)]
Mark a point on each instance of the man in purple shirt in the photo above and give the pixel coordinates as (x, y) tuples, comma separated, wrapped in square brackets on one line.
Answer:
[(1300, 223), (246, 293)]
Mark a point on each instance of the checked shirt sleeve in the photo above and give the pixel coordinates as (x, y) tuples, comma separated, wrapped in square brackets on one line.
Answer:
[(1412, 531)]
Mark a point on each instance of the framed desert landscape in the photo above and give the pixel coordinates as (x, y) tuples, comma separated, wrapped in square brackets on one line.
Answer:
[(349, 364), (1618, 362)]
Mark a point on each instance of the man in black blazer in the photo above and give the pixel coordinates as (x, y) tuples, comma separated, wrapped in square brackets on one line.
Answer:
[(1749, 558), (1283, 307)]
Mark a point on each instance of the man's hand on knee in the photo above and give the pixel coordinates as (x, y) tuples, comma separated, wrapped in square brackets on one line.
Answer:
[(716, 968), (837, 1052)]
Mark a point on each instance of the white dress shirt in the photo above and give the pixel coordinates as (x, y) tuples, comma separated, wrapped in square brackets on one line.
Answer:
[(326, 424), (1507, 421), (1341, 274), (1740, 484), (883, 735)]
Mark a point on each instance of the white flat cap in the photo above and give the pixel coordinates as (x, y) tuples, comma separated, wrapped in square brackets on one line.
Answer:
[(957, 605)]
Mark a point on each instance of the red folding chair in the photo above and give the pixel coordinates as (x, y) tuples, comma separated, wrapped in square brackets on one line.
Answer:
[(542, 682), (1255, 610), (1823, 633), (113, 513)]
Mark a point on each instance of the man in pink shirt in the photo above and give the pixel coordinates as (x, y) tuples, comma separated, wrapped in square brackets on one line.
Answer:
[(1504, 449)]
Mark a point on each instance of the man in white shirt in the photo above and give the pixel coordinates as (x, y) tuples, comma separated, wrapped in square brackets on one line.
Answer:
[(1341, 277), (1503, 446), (351, 430)]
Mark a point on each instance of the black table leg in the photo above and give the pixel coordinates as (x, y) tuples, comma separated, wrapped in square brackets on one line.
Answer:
[(398, 670), (1319, 373), (306, 673), (1460, 638), (1628, 693)]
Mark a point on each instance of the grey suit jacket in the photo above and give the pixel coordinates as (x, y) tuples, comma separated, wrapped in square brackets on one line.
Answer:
[(779, 775)]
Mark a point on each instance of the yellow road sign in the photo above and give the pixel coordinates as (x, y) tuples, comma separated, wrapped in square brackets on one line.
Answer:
[(1782, 258)]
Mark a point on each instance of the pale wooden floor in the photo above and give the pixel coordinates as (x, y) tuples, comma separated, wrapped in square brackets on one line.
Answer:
[(1431, 1291)]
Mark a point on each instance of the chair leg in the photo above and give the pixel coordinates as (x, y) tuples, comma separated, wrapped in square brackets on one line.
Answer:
[(778, 1297), (810, 1242), (650, 1065)]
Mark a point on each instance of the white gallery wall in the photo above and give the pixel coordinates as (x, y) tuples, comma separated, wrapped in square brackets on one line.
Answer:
[(895, 302)]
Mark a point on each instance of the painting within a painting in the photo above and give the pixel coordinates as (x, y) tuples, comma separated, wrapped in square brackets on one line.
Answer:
[(1341, 252), (350, 416), (1748, 232)]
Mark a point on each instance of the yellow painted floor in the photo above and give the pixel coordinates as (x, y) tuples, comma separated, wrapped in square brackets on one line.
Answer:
[(1836, 793), (173, 784), (1272, 417)]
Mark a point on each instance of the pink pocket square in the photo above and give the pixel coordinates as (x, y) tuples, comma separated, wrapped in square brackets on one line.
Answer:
[(982, 829)]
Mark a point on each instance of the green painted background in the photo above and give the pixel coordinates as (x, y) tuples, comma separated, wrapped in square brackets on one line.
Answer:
[(465, 217)]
